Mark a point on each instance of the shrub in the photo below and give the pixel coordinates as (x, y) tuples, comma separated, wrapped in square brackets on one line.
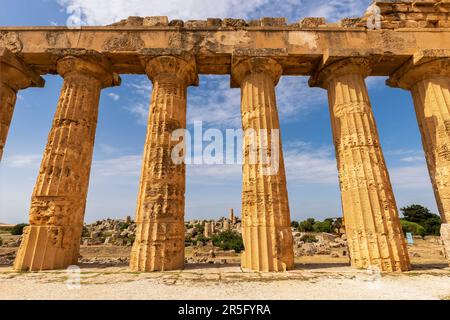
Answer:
[(228, 240), (199, 228), (201, 238), (85, 233), (17, 230), (307, 225), (123, 226), (308, 238), (423, 216), (412, 227), (323, 226)]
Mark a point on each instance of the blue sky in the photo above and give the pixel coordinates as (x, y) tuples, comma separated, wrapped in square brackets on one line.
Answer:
[(211, 190)]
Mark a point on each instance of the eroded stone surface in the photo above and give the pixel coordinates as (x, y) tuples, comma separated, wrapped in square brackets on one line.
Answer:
[(159, 244), (266, 221), (256, 53), (14, 75), (373, 229), (427, 76), (59, 198)]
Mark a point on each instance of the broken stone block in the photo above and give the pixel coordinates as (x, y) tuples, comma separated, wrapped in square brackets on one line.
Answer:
[(195, 24), (214, 22), (159, 21), (236, 23), (273, 22), (312, 22)]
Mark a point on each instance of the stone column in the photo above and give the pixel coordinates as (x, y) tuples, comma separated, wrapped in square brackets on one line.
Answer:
[(429, 83), (207, 229), (372, 224), (159, 244), (266, 224), (14, 76), (232, 216), (58, 202)]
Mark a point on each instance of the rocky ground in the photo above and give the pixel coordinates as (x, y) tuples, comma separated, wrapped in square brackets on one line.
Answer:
[(322, 272), (315, 278)]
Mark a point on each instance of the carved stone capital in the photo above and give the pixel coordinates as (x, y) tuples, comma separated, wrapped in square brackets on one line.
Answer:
[(95, 66), (419, 68), (243, 68), (15, 73), (327, 72), (181, 68)]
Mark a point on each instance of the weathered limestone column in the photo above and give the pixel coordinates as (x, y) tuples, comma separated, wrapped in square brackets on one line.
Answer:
[(428, 78), (372, 223), (159, 244), (266, 224), (58, 202), (14, 76)]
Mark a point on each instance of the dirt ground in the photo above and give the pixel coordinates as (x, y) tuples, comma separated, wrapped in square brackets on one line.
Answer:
[(315, 277)]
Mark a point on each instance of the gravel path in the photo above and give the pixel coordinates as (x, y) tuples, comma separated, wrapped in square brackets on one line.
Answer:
[(229, 282)]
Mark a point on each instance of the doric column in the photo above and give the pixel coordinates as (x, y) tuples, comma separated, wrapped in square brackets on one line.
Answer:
[(428, 79), (266, 224), (14, 75), (372, 224), (58, 202), (159, 244)]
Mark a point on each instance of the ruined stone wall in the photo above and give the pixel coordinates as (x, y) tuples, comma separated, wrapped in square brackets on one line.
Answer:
[(414, 14)]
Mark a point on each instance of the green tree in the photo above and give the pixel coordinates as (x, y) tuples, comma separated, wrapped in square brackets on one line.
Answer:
[(423, 216), (199, 228), (337, 225), (295, 224), (201, 238), (412, 227), (17, 230), (228, 240), (323, 226), (307, 225)]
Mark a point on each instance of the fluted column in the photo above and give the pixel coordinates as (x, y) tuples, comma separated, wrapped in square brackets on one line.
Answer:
[(372, 224), (266, 225), (159, 244), (14, 75), (429, 84), (58, 202)]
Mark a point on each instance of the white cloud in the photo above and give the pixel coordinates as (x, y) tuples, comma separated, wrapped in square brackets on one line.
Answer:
[(101, 12), (410, 177), (114, 96), (215, 103), (308, 165), (122, 166), (22, 161), (140, 111), (108, 149), (413, 159), (304, 164), (337, 9), (141, 86)]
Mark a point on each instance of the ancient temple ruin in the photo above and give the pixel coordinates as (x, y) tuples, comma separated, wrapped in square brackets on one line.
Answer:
[(409, 42)]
